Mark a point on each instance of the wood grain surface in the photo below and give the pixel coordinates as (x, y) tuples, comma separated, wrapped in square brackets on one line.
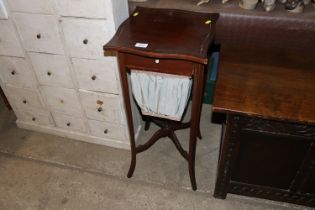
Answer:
[(267, 88), (168, 33)]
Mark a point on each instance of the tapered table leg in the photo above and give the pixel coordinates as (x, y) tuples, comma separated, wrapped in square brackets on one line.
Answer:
[(125, 90), (195, 118)]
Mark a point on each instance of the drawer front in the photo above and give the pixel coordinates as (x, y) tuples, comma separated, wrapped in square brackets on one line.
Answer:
[(69, 123), (32, 6), (24, 99), (62, 100), (85, 38), (107, 130), (40, 33), (173, 66), (52, 70), (17, 72), (103, 107), (82, 8), (97, 75), (36, 117), (9, 44)]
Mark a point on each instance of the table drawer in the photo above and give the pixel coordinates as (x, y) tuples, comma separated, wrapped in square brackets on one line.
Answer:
[(97, 75), (69, 123), (103, 107), (23, 98), (169, 66), (40, 33), (82, 8), (35, 117), (17, 72), (107, 130), (85, 38), (62, 100), (10, 44), (52, 70), (32, 6)]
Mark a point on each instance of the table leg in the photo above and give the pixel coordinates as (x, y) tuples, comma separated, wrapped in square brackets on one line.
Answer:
[(195, 118), (125, 89), (203, 69)]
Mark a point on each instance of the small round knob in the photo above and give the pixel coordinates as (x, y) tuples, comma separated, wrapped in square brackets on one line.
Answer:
[(85, 41), (24, 101), (106, 131), (13, 72), (100, 109), (61, 101), (68, 124), (49, 73), (34, 119), (38, 36), (93, 77), (157, 61)]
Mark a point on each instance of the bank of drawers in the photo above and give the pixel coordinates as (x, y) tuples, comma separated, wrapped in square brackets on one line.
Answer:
[(57, 75)]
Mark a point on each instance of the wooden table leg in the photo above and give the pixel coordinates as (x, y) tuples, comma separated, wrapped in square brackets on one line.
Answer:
[(125, 89), (195, 118)]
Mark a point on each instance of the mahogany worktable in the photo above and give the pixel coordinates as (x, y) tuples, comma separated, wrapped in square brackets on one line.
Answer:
[(167, 41), (268, 140)]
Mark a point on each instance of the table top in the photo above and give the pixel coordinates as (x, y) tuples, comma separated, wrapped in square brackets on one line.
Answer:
[(280, 92), (166, 33)]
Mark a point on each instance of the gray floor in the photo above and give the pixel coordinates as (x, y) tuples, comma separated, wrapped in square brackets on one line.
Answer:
[(40, 171)]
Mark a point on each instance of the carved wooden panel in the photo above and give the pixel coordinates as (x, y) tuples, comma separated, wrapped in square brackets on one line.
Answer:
[(284, 150)]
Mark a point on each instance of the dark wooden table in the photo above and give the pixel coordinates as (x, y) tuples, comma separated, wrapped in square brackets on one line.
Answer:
[(167, 41), (268, 140)]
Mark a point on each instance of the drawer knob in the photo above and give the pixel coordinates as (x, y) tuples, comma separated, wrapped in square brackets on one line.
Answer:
[(85, 41), (157, 61), (24, 101), (13, 72), (68, 124), (38, 36), (61, 101), (49, 73), (34, 119), (106, 131), (100, 109), (93, 77)]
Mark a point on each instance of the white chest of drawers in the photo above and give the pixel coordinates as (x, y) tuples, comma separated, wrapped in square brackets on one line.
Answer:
[(54, 73)]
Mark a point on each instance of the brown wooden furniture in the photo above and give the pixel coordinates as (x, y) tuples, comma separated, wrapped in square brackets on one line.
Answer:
[(177, 43), (268, 142)]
